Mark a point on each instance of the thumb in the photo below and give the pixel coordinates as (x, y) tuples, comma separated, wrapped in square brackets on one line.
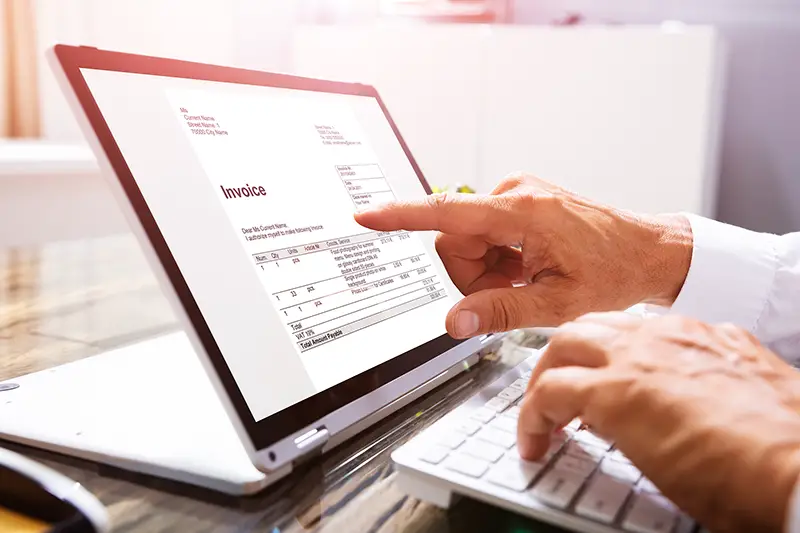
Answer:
[(495, 310)]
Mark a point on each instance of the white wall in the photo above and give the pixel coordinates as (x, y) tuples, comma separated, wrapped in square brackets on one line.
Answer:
[(760, 173), (475, 103), (760, 182), (247, 33)]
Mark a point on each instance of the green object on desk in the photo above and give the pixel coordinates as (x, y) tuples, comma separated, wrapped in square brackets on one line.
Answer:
[(458, 188)]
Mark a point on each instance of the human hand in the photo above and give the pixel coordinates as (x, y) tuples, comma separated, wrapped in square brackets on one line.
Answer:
[(570, 255), (705, 412)]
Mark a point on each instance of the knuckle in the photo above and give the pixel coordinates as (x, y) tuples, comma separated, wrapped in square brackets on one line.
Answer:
[(675, 322), (561, 343), (448, 246), (554, 354), (548, 200), (520, 177), (514, 179), (644, 388), (736, 332), (440, 204), (440, 242), (518, 205), (731, 328), (522, 200), (438, 200), (505, 202), (546, 384)]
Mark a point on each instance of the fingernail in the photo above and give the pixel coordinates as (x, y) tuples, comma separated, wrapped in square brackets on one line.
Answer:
[(467, 323)]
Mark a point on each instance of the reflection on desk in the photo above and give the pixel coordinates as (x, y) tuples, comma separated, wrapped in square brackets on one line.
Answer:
[(61, 302)]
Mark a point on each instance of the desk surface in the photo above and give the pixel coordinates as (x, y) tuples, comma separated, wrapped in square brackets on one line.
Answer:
[(65, 301)]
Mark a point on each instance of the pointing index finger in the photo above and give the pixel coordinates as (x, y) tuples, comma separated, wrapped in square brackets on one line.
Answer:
[(458, 214)]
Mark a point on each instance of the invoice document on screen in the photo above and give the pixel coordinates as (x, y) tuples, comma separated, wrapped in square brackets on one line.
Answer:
[(289, 172)]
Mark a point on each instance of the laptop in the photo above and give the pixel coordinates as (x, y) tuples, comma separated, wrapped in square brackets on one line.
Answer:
[(300, 327)]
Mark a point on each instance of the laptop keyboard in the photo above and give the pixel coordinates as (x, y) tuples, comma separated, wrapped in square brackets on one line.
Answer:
[(580, 474)]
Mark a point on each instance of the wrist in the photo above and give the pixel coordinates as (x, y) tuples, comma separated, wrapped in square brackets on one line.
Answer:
[(666, 257), (734, 506), (774, 508)]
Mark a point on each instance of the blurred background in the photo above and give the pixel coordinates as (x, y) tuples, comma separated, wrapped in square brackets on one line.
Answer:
[(655, 105)]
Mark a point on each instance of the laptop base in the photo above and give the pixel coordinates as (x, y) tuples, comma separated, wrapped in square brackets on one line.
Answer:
[(150, 408), (147, 407)]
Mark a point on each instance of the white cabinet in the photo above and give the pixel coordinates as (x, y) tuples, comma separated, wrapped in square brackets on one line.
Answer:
[(628, 115)]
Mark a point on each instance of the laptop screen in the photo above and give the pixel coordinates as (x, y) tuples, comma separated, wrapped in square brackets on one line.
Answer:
[(253, 189)]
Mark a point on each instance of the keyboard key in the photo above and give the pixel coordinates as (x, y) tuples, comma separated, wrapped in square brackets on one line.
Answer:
[(556, 445), (559, 437), (483, 450), (433, 454), (510, 393), (627, 472), (467, 427), (557, 488), (451, 440), (568, 463), (554, 448), (587, 437), (570, 430), (512, 412), (482, 415), (514, 475), (504, 423), (581, 451), (650, 514), (603, 498), (575, 424), (469, 466), (645, 485), (618, 456), (495, 436), (521, 384), (513, 454), (498, 404), (527, 374)]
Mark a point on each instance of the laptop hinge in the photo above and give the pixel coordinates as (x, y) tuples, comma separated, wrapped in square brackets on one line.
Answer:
[(310, 443)]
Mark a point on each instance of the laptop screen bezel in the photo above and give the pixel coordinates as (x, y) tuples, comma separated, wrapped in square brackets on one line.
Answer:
[(284, 423)]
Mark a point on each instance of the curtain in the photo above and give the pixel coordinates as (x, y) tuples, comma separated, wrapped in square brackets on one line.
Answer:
[(19, 90)]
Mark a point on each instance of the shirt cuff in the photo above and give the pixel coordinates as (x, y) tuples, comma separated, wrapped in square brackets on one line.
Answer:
[(731, 274)]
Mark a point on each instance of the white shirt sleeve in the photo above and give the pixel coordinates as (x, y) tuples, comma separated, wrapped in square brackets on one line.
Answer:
[(752, 280), (746, 278)]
